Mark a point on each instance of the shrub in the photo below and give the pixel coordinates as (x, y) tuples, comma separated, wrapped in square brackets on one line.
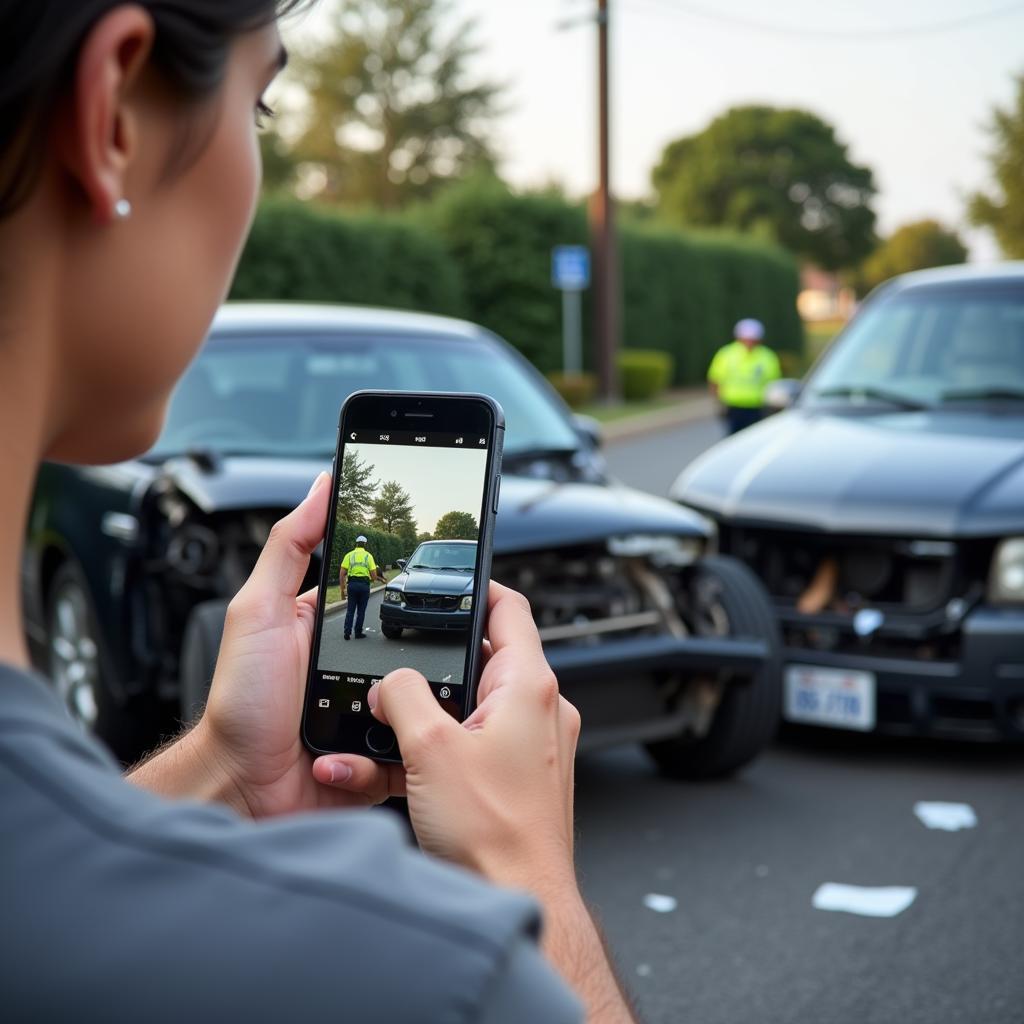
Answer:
[(644, 373), (578, 389), (301, 251)]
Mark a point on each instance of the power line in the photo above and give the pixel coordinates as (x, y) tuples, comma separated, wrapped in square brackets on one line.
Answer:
[(683, 7)]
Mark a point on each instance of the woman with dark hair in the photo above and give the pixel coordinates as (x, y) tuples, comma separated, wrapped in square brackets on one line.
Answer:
[(129, 170)]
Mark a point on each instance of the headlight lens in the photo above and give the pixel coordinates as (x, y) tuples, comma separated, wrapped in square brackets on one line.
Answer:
[(466, 603), (393, 596), (1006, 581)]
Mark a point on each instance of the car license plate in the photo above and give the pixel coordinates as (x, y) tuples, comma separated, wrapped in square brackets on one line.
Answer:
[(841, 698)]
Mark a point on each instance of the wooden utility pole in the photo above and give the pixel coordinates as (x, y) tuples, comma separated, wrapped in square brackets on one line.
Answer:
[(602, 227)]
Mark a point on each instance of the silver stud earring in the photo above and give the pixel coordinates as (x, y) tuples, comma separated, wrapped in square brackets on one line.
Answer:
[(122, 209)]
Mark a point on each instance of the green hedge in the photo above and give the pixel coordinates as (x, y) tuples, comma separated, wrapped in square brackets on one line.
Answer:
[(300, 251), (386, 548), (483, 252), (577, 389), (683, 293), (502, 244), (644, 373)]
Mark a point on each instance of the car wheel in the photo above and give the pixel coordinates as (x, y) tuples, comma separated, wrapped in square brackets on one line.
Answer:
[(84, 677), (727, 599), (199, 649), (392, 632), (76, 666)]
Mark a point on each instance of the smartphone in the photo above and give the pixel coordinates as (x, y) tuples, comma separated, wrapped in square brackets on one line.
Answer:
[(415, 494)]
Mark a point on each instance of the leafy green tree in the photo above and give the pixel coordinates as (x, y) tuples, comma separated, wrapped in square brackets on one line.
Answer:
[(456, 526), (357, 490), (777, 173), (915, 246), (393, 511), (1003, 209), (423, 537), (393, 111)]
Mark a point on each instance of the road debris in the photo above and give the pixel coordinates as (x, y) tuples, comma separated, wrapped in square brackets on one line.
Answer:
[(659, 903), (945, 817), (868, 901)]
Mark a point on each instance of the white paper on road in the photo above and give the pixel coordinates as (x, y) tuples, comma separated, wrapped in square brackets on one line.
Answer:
[(868, 901), (947, 817), (662, 904)]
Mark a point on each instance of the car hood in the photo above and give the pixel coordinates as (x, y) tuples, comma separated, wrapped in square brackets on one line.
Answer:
[(533, 513), (433, 581), (932, 473)]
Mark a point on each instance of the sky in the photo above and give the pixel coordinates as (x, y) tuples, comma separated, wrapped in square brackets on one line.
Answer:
[(911, 104), (438, 480)]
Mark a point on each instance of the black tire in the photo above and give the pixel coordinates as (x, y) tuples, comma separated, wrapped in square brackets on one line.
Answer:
[(199, 649), (80, 668), (391, 632), (747, 717)]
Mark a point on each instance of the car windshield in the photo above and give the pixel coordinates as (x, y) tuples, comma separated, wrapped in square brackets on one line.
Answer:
[(444, 556), (281, 395), (930, 347)]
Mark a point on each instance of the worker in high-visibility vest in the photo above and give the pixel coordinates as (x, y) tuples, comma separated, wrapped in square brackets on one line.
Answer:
[(358, 569), (739, 374)]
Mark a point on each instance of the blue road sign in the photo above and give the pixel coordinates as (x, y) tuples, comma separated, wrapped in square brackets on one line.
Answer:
[(570, 267)]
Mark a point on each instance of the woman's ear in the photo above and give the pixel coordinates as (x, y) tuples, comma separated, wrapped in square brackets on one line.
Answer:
[(97, 138)]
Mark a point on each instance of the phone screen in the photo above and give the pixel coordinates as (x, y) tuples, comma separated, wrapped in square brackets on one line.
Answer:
[(403, 562)]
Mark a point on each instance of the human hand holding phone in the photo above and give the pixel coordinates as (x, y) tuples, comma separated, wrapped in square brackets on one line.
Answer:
[(495, 793)]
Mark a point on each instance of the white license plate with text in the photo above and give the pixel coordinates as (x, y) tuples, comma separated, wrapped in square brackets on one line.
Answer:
[(841, 698)]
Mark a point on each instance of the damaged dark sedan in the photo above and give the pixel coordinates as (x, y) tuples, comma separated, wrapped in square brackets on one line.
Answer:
[(885, 512), (128, 569)]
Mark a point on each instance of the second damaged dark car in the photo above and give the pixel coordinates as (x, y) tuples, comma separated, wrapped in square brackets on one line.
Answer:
[(129, 568), (885, 513)]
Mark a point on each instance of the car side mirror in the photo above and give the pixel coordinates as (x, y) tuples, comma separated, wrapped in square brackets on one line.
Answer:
[(401, 562), (781, 394), (589, 429)]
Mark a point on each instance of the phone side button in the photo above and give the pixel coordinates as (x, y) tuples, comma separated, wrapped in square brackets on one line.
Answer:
[(380, 739), (497, 494)]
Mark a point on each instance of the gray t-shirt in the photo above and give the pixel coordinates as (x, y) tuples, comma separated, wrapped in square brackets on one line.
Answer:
[(117, 905)]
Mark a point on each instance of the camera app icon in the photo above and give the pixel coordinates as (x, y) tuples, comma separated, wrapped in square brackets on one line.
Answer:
[(324, 702)]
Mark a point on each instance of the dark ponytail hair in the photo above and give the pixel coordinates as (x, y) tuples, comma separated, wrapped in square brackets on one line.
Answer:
[(39, 44)]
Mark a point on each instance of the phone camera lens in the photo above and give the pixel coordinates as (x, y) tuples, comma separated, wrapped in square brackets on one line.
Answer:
[(394, 412)]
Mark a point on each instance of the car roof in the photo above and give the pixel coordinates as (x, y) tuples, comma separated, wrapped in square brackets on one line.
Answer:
[(1009, 272), (445, 540), (247, 317)]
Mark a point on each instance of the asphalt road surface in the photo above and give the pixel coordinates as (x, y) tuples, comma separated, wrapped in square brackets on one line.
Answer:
[(652, 462), (734, 866), (439, 656)]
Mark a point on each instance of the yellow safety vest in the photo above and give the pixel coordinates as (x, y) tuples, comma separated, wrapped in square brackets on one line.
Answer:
[(742, 374), (359, 564)]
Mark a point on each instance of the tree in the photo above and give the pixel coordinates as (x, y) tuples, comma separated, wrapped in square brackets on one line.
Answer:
[(781, 174), (420, 538), (393, 111), (915, 246), (393, 511), (357, 490), (1003, 209), (456, 526)]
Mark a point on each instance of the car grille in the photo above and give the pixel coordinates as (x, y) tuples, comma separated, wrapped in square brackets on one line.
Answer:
[(912, 575), (584, 595), (432, 602), (819, 583)]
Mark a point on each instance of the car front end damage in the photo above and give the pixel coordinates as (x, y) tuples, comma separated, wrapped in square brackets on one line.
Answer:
[(932, 630), (636, 643)]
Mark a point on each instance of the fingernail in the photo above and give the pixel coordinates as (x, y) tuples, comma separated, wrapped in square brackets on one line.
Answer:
[(371, 696), (341, 772), (316, 485)]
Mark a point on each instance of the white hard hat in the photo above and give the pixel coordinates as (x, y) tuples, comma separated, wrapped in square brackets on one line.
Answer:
[(360, 539), (751, 329)]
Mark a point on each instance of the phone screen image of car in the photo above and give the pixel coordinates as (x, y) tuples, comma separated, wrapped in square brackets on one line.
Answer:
[(401, 577)]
